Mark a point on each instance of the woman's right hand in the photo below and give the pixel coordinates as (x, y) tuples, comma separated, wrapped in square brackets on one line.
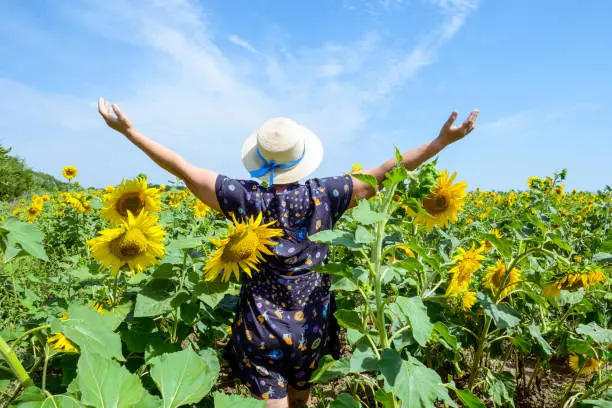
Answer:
[(113, 117)]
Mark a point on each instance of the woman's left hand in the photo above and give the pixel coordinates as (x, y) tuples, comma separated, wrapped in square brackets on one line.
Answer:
[(450, 134)]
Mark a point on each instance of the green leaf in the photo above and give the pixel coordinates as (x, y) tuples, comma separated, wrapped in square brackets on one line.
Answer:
[(158, 297), (365, 215), (31, 397), (184, 377), (329, 369), (501, 386), (416, 385), (363, 359), (602, 257), (504, 246), (25, 236), (415, 312), (521, 343), (395, 176), (104, 383), (61, 401), (344, 401), (349, 319), (595, 404), (558, 240), (344, 284), (504, 317), (91, 332), (596, 332), (468, 399), (185, 243), (117, 314), (363, 236), (450, 341), (164, 271), (578, 346), (235, 401), (535, 332), (148, 401), (367, 178), (398, 156), (570, 298), (385, 398), (337, 269), (336, 237), (211, 292)]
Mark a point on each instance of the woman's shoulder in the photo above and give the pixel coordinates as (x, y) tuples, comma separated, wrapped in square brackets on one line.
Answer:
[(233, 183)]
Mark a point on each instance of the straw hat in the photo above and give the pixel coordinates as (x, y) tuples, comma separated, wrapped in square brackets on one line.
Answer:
[(282, 152)]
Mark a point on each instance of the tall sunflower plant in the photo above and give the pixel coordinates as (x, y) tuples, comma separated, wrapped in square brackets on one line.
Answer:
[(155, 315), (382, 285)]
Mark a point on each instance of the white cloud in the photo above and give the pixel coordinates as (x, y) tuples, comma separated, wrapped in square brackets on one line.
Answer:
[(189, 94), (242, 43)]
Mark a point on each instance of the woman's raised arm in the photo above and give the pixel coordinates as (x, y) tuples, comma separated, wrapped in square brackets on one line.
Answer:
[(200, 181), (415, 157)]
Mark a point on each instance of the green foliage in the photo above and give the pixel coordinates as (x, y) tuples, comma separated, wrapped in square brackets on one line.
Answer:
[(17, 179), (157, 338)]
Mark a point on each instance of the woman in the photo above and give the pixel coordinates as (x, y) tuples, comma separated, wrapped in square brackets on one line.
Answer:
[(284, 321)]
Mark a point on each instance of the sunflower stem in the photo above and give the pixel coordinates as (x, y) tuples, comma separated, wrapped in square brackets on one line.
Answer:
[(377, 262), (571, 386), (482, 341), (177, 314), (116, 290), (14, 364), (45, 365), (25, 334)]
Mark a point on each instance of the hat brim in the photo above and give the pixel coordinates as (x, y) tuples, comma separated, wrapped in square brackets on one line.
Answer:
[(309, 163)]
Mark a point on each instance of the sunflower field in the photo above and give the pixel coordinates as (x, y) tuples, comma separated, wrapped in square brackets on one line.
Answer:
[(447, 298)]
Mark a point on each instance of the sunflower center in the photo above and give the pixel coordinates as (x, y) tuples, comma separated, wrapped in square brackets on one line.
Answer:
[(129, 245), (32, 210), (130, 201), (435, 205), (240, 247)]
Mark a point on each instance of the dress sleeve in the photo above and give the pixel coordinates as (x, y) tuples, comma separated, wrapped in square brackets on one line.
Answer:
[(236, 196), (338, 191)]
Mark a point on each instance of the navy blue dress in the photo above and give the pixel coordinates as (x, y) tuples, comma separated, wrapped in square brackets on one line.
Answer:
[(284, 321)]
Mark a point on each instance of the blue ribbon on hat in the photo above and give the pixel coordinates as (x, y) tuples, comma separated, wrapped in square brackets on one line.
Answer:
[(269, 166)]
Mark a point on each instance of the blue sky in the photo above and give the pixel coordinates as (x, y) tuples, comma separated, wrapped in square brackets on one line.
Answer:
[(365, 75)]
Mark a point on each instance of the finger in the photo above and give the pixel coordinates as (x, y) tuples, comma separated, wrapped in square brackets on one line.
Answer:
[(451, 119), (119, 114), (101, 108), (473, 117), (469, 124)]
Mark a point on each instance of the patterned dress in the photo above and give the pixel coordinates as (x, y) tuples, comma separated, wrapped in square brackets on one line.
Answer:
[(284, 321)]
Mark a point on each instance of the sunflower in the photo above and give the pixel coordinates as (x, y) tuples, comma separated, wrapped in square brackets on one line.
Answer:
[(531, 182), (129, 196), (200, 209), (573, 281), (37, 200), (109, 189), (495, 278), (77, 201), (59, 342), (356, 167), (468, 300), (443, 204), (590, 364), (406, 250), (244, 248), (466, 263), (98, 307), (69, 172), (495, 232), (135, 243), (33, 212)]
